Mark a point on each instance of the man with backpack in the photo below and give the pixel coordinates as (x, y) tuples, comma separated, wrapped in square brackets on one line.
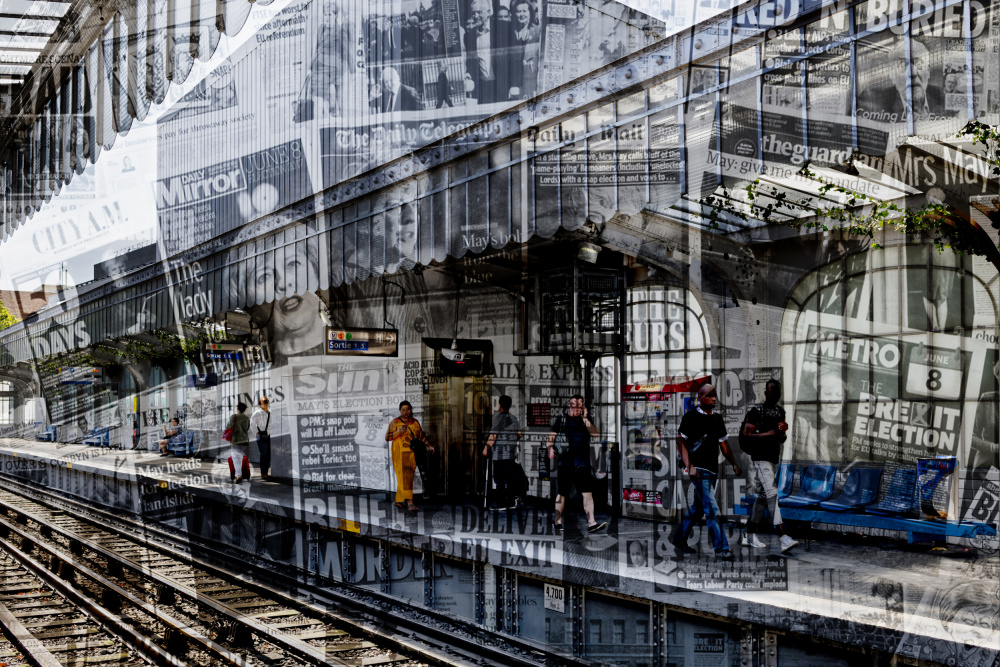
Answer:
[(700, 437), (761, 435)]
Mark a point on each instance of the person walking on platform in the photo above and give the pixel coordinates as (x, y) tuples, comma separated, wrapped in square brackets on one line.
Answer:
[(763, 432), (403, 431), (574, 463), (260, 422), (702, 433), (507, 472), (240, 444)]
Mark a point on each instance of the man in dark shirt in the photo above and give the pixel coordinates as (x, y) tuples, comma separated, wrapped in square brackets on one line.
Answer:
[(701, 435), (574, 463), (765, 427)]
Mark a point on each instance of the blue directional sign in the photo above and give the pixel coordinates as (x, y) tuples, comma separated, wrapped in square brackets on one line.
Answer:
[(369, 342)]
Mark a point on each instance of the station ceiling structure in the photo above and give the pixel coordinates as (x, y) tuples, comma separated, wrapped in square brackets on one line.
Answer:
[(685, 97)]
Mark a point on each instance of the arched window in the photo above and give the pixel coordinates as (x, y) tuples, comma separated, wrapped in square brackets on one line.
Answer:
[(7, 399), (157, 388), (887, 353), (667, 335)]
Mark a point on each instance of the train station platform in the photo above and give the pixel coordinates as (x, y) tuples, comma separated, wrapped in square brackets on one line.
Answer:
[(510, 571)]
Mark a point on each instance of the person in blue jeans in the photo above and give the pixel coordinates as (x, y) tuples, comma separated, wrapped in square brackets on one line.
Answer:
[(700, 437)]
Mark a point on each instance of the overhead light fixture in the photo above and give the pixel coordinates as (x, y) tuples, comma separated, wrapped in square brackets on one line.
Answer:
[(587, 252)]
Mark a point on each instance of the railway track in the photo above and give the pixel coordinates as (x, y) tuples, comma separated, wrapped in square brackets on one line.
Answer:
[(47, 623), (214, 615), (193, 615)]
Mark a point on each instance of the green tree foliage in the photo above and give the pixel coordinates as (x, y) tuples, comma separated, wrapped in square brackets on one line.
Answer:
[(6, 317), (863, 215)]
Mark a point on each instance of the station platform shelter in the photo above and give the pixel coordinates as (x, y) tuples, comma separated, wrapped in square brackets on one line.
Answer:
[(344, 206)]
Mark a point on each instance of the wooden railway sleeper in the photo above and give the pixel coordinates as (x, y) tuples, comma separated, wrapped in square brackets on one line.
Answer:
[(113, 620), (293, 643)]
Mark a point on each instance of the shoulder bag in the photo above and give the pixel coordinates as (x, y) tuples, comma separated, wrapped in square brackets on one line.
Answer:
[(227, 435), (417, 445), (265, 437)]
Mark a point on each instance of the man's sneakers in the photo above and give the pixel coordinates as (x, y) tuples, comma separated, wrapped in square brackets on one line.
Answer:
[(751, 540), (787, 543), (597, 526), (518, 502), (683, 549), (724, 554), (558, 527)]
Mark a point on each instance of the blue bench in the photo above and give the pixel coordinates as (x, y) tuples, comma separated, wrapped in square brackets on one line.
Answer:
[(50, 434), (860, 489), (786, 479), (182, 444), (899, 496), (98, 437), (815, 487), (852, 507)]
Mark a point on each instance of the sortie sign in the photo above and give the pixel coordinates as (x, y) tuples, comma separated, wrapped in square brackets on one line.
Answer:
[(368, 342)]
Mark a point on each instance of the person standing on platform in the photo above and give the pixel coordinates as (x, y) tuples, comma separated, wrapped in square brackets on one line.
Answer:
[(765, 426), (574, 464), (240, 444), (442, 86), (260, 422), (403, 430), (507, 472), (702, 433)]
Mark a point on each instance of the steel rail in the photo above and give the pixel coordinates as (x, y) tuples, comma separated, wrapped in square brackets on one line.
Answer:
[(408, 634), (299, 647), (23, 639), (105, 617)]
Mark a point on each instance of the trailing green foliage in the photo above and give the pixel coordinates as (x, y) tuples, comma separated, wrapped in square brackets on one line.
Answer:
[(6, 317), (166, 347), (863, 215)]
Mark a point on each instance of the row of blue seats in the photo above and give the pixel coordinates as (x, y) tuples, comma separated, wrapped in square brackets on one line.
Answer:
[(98, 437), (181, 444), (860, 492)]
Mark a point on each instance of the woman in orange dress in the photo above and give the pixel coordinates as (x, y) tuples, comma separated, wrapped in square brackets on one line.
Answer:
[(402, 430)]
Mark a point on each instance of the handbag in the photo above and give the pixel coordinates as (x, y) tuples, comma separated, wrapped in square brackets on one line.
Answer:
[(227, 435), (264, 437), (417, 445)]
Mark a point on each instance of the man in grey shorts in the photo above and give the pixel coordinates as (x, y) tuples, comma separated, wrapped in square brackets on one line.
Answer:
[(765, 425), (507, 472)]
